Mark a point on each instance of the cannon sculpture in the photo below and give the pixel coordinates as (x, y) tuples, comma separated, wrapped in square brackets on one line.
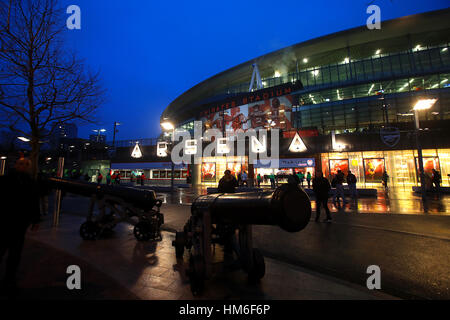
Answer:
[(135, 206), (226, 220)]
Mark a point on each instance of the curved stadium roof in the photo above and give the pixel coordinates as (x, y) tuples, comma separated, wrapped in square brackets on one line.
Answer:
[(429, 28)]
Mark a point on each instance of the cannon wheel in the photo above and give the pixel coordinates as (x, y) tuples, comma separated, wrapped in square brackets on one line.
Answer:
[(196, 274), (259, 267), (143, 231), (89, 230), (179, 242)]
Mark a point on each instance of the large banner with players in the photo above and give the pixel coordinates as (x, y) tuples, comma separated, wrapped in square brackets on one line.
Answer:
[(274, 113)]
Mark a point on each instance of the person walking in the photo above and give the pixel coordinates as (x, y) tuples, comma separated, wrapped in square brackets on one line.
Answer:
[(108, 178), (385, 180), (351, 181), (272, 180), (308, 179), (436, 179), (301, 177), (340, 178), (142, 179), (20, 210), (321, 188), (228, 183), (244, 178), (259, 180)]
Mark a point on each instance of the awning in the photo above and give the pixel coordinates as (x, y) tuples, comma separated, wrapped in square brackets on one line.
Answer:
[(286, 163), (146, 165)]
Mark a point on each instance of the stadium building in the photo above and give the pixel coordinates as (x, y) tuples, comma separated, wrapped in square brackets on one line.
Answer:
[(349, 96)]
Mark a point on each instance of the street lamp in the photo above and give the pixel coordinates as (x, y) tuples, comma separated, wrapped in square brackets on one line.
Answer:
[(99, 131), (421, 104), (167, 127), (114, 134)]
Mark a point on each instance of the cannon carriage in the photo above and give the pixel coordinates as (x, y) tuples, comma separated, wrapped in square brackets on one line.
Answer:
[(226, 220), (116, 204)]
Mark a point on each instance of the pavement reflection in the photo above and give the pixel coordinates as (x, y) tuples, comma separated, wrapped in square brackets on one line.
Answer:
[(398, 201)]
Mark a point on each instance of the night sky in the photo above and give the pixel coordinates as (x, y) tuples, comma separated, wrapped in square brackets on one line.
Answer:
[(150, 52)]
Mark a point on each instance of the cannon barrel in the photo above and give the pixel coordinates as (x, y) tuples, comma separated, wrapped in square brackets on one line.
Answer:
[(143, 199), (288, 207)]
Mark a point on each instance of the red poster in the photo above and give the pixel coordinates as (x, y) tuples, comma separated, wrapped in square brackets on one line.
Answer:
[(208, 171), (373, 169), (428, 165), (234, 167), (341, 164)]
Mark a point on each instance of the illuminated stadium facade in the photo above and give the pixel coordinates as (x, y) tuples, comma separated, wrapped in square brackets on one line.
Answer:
[(349, 97)]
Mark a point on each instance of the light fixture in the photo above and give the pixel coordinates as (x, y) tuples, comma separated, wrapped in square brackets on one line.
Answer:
[(297, 144), (161, 149), (347, 60), (443, 81), (277, 74), (167, 125), (23, 139), (378, 51), (315, 72), (424, 104), (445, 49), (305, 60)]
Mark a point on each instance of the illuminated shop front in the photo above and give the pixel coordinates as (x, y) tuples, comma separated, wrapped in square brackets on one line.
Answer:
[(213, 168), (153, 171), (285, 168), (400, 165)]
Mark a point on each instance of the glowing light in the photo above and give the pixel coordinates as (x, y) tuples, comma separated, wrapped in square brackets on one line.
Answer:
[(297, 144), (277, 74), (378, 51), (305, 60), (347, 60), (136, 152), (424, 104), (23, 139), (258, 146), (190, 146), (167, 125), (161, 149)]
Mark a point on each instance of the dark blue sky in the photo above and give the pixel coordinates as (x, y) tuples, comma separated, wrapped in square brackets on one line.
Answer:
[(149, 52)]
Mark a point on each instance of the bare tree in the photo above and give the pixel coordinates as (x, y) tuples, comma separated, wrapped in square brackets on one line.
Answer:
[(42, 84)]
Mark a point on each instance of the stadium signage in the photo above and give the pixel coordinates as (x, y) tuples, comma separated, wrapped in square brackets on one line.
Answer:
[(250, 97)]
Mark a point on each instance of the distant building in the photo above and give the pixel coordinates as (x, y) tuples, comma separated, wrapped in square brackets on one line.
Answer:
[(101, 138), (64, 130)]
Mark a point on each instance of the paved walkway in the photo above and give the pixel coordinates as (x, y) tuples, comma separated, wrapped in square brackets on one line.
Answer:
[(413, 250), (42, 276), (145, 269)]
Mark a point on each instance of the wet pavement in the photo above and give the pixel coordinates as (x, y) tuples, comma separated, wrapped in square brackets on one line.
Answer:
[(395, 201), (412, 250), (146, 270)]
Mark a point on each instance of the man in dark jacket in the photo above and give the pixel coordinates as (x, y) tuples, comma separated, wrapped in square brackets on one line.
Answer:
[(228, 183), (20, 210), (321, 188)]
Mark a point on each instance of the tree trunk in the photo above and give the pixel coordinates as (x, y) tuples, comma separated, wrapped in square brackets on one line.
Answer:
[(34, 157)]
